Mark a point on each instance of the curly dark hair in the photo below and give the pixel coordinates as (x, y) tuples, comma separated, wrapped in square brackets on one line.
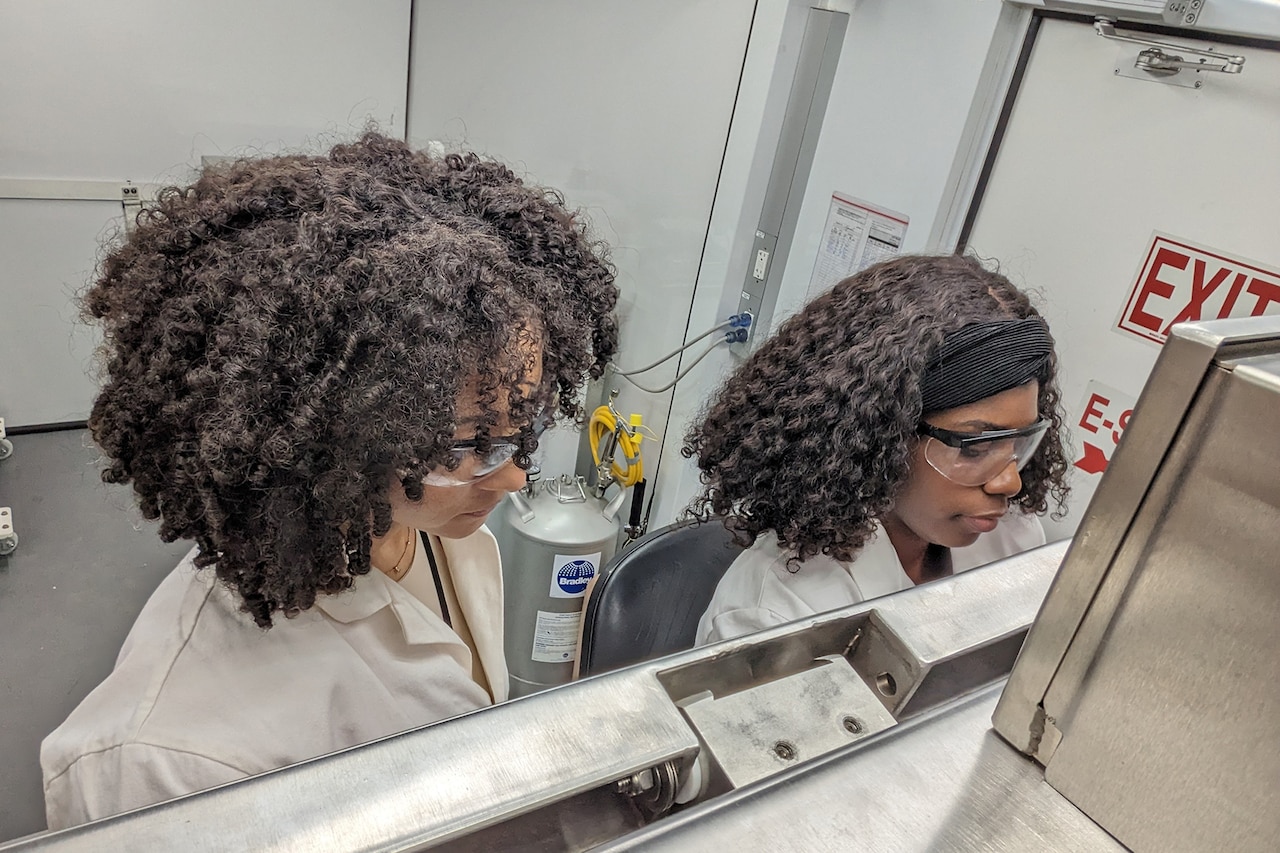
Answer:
[(812, 436), (288, 333)]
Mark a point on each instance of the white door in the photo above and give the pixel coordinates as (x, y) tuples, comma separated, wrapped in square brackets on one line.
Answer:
[(1127, 204)]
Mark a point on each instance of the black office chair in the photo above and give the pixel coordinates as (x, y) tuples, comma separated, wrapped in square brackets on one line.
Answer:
[(647, 601)]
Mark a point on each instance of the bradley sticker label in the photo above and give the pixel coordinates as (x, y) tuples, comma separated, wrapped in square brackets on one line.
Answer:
[(571, 574)]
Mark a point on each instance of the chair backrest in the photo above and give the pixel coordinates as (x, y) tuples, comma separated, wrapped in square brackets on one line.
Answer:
[(646, 602)]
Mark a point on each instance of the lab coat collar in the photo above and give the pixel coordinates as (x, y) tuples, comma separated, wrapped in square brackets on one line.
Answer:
[(476, 570), (367, 595)]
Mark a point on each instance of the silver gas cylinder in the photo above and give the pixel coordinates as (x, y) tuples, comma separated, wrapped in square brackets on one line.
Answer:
[(562, 536)]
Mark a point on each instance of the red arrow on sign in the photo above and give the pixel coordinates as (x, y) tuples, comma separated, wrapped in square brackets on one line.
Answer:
[(1094, 461)]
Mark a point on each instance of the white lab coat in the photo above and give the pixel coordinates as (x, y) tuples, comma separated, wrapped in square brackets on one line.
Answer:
[(201, 696), (758, 591)]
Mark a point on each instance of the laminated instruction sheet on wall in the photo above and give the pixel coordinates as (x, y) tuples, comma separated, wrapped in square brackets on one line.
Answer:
[(857, 235)]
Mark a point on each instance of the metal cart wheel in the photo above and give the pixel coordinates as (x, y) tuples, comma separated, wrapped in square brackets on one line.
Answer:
[(6, 449)]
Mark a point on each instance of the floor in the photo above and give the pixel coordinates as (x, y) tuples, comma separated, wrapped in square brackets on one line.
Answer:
[(85, 564)]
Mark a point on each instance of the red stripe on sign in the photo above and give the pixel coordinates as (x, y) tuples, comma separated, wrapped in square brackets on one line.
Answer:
[(877, 211)]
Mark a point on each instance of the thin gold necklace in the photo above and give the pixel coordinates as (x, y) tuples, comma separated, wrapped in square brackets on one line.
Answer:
[(396, 572)]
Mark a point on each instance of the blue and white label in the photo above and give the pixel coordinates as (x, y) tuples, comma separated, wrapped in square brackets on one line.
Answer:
[(571, 574)]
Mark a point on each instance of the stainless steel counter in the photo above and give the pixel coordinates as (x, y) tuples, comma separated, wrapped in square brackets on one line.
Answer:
[(945, 782)]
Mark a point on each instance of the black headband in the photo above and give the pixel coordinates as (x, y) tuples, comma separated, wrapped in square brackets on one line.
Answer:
[(983, 359)]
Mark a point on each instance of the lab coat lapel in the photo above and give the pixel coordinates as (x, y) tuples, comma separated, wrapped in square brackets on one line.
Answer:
[(367, 595), (876, 569), (476, 570)]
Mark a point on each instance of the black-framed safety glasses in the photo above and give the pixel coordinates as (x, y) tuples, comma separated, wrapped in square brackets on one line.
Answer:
[(976, 458)]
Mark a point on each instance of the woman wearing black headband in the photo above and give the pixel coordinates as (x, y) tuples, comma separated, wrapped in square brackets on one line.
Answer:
[(903, 426)]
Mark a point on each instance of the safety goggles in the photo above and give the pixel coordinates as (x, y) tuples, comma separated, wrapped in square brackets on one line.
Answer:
[(474, 464), (975, 459)]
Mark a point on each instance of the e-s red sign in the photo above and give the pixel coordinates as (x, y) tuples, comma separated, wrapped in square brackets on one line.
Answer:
[(1105, 414), (1180, 282)]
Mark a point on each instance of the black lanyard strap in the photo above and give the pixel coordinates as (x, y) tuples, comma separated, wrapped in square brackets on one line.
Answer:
[(435, 576)]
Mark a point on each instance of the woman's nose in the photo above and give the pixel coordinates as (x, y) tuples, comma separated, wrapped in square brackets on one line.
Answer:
[(1007, 483)]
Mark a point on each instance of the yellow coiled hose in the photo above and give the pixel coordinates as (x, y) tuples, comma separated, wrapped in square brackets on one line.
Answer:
[(628, 467)]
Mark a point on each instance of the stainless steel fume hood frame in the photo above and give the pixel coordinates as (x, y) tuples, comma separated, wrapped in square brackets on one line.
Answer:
[(1149, 687), (1144, 697), (590, 761)]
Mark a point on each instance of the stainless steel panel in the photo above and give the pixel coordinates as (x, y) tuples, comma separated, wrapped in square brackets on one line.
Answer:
[(757, 733), (419, 789), (1183, 363), (1167, 704), (816, 60), (942, 783), (541, 767)]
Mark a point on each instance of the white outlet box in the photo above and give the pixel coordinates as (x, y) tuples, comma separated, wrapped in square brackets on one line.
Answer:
[(762, 265)]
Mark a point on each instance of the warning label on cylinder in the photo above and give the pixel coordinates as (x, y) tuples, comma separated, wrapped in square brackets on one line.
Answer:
[(555, 637), (571, 574)]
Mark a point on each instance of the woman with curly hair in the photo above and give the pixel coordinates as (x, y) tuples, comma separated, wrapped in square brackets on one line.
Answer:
[(325, 371), (903, 426)]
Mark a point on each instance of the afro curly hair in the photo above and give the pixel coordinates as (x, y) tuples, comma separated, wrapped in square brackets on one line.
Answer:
[(288, 333), (811, 437)]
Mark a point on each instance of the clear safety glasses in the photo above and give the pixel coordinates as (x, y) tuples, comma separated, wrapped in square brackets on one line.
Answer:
[(474, 464), (975, 459)]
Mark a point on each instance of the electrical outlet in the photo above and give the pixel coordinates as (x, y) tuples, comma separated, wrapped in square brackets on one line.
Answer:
[(762, 265)]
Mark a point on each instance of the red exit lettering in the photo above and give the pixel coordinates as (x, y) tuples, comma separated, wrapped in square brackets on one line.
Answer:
[(1152, 285), (1181, 282)]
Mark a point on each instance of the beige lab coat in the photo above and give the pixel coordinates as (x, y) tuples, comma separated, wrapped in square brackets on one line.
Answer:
[(201, 696)]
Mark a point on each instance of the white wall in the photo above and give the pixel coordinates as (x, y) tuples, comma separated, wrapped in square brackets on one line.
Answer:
[(907, 77), (624, 107), (908, 74), (140, 91)]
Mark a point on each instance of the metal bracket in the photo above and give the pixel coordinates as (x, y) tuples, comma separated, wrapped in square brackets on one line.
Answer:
[(8, 536), (1157, 62), (568, 490), (131, 203), (757, 732)]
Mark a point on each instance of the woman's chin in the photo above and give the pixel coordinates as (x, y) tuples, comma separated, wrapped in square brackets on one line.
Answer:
[(460, 526)]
